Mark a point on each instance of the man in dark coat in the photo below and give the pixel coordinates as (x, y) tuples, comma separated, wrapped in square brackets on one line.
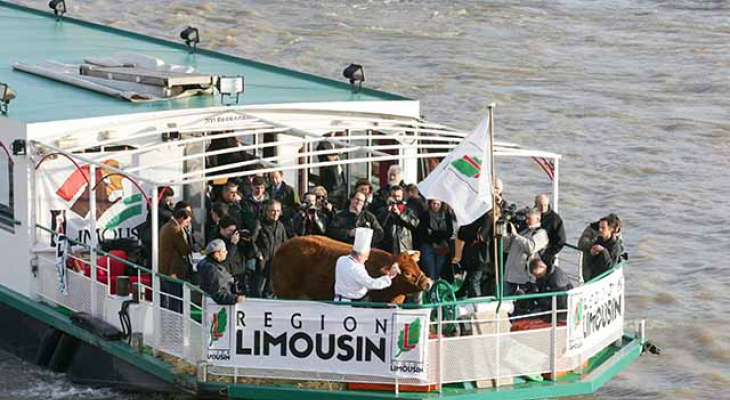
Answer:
[(332, 177), (215, 278), (236, 248), (606, 249), (399, 223), (255, 203), (553, 225), (271, 236), (550, 280), (310, 220), (478, 255), (343, 226), (286, 195)]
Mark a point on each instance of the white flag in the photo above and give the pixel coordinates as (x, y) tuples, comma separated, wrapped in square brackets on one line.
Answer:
[(463, 179)]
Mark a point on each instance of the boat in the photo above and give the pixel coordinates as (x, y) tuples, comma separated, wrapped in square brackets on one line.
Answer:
[(85, 153)]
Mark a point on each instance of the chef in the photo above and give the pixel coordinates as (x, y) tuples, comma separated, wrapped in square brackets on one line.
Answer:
[(352, 280)]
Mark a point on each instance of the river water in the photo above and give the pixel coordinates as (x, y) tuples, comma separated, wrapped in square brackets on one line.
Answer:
[(634, 94)]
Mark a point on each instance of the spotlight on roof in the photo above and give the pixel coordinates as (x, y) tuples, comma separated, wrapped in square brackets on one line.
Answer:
[(356, 74), (58, 7), (6, 94), (229, 86), (191, 36)]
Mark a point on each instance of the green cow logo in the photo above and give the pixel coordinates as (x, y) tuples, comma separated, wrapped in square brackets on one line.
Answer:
[(218, 326), (468, 166), (409, 337)]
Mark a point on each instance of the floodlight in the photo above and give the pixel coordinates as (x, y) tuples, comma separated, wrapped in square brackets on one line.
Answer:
[(356, 74), (191, 36), (229, 86), (6, 94), (58, 7)]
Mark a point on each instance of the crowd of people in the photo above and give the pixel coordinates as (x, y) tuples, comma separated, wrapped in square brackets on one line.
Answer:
[(248, 219)]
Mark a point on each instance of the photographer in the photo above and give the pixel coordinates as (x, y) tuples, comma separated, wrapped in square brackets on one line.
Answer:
[(399, 223), (240, 246), (523, 247), (343, 226), (309, 220), (323, 203)]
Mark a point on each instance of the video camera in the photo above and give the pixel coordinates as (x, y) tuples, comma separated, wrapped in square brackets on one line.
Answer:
[(518, 217)]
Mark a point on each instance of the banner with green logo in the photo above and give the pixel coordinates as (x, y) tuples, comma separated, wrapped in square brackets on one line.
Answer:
[(595, 315), (318, 337)]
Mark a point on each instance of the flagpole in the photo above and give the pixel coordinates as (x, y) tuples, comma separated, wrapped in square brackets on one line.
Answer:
[(497, 277)]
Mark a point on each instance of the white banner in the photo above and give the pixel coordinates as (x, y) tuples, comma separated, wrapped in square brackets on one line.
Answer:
[(63, 190), (595, 315), (318, 337), (463, 178)]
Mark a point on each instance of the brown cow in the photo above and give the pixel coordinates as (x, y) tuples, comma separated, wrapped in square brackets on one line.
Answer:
[(304, 269)]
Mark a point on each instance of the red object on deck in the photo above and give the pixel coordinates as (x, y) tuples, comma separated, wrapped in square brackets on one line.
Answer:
[(526, 324)]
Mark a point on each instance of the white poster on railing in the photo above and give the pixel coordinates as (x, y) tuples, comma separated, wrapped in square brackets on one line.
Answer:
[(318, 337), (63, 189), (595, 315)]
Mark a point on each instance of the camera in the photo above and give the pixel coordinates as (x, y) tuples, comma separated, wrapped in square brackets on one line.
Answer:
[(244, 233), (309, 207), (518, 217), (392, 202)]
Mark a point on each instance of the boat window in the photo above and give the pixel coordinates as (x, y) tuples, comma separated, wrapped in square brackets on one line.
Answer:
[(7, 209)]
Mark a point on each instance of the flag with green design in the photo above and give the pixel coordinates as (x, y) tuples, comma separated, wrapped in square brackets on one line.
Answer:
[(464, 178)]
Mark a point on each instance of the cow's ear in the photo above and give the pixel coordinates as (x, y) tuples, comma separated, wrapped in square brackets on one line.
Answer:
[(415, 255)]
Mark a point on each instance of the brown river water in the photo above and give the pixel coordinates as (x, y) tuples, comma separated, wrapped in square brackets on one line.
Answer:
[(634, 94)]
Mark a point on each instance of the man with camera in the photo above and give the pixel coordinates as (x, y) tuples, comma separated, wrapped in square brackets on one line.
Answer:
[(343, 226), (310, 220), (399, 223), (524, 246), (241, 250)]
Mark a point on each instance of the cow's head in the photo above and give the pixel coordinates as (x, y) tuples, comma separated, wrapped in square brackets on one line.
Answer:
[(411, 279)]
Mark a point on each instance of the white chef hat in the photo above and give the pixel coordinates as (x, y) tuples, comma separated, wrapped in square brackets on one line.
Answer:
[(363, 237)]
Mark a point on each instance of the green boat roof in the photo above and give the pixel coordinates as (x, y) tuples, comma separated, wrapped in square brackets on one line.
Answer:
[(32, 36)]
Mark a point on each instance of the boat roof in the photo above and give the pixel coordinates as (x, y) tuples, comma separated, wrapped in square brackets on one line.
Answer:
[(33, 36)]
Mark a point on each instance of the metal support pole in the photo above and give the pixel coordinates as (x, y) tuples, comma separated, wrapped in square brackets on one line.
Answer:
[(556, 185), (156, 299), (554, 339), (32, 218), (439, 332), (94, 241), (186, 322)]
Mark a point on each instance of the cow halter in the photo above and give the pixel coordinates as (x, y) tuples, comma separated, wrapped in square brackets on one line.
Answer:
[(418, 279)]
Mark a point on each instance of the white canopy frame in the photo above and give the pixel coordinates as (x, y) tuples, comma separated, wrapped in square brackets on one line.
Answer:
[(305, 128)]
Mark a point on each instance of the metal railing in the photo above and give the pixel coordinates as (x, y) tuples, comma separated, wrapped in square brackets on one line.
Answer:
[(476, 342), (176, 332)]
